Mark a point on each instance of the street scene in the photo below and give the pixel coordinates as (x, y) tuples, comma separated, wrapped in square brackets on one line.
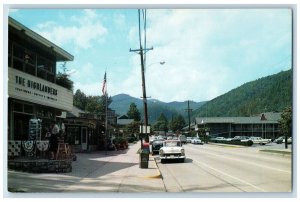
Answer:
[(149, 101), (207, 168)]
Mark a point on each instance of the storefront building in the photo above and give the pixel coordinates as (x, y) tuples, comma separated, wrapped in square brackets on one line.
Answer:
[(32, 89), (84, 131)]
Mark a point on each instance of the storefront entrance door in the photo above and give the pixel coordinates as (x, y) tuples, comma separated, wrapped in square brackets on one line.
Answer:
[(21, 126), (84, 137)]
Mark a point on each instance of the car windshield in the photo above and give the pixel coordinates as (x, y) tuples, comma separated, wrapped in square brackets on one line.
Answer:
[(172, 143)]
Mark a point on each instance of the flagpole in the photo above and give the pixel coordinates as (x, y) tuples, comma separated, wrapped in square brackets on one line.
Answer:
[(104, 91), (106, 122)]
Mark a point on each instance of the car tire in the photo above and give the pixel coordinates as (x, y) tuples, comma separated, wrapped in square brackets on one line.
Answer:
[(162, 160)]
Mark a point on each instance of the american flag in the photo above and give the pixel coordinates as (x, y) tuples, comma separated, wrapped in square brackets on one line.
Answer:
[(104, 85)]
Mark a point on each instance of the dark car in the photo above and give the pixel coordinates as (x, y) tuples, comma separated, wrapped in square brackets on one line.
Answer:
[(156, 145), (279, 140)]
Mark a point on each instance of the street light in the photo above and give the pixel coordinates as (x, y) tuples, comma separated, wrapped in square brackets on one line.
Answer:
[(161, 63)]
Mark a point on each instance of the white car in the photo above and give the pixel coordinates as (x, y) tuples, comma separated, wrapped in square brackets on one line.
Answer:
[(189, 139), (172, 149), (196, 140), (259, 140)]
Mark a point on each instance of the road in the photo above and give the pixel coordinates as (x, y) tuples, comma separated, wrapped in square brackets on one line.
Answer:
[(215, 168)]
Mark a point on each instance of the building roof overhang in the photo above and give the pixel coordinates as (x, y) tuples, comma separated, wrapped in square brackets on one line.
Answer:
[(61, 55)]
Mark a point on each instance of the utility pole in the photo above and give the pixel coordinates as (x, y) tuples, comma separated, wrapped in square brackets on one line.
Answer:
[(141, 51), (189, 116)]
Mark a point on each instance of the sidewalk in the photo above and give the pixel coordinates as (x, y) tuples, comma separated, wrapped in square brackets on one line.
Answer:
[(119, 173), (101, 171)]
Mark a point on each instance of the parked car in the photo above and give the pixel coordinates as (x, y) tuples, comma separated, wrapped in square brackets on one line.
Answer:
[(279, 140), (220, 138), (189, 139), (196, 140), (241, 138), (259, 140), (152, 138), (182, 139), (172, 149), (289, 140), (156, 145)]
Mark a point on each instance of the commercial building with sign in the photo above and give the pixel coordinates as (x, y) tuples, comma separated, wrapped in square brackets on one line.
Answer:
[(32, 88)]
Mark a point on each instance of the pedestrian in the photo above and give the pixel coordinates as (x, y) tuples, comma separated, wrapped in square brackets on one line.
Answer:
[(53, 140)]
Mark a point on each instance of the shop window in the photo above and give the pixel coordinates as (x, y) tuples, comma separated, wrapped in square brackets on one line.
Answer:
[(41, 73), (73, 135), (45, 113), (18, 107), (9, 61), (50, 77), (18, 51), (41, 62), (28, 109), (30, 69), (30, 58), (9, 54), (17, 64)]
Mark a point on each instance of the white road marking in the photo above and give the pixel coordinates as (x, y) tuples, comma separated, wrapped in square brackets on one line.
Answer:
[(259, 165), (219, 171)]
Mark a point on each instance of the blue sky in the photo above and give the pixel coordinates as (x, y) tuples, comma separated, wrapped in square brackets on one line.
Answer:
[(207, 52)]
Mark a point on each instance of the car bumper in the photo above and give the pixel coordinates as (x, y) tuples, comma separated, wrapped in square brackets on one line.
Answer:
[(170, 156)]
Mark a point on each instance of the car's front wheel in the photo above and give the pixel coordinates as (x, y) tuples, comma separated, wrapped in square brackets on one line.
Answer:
[(162, 160)]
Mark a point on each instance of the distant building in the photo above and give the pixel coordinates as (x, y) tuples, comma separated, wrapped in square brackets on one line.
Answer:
[(265, 125), (122, 122)]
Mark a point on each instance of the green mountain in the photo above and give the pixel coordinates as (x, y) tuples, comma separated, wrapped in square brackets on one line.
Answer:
[(121, 102), (271, 93)]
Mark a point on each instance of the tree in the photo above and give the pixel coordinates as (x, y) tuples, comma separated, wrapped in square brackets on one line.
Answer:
[(63, 80), (133, 112), (177, 123), (80, 100), (133, 128), (96, 104), (286, 122), (161, 124)]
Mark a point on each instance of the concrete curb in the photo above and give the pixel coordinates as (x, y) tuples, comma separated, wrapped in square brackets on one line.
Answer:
[(227, 145), (158, 172), (275, 153)]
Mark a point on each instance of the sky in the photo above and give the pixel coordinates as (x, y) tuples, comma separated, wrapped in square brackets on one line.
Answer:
[(207, 52)]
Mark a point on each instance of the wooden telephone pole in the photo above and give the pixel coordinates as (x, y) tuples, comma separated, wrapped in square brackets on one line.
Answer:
[(189, 115), (142, 51)]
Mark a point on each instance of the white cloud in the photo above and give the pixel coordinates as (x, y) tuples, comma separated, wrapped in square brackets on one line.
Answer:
[(207, 53), (84, 31), (89, 88)]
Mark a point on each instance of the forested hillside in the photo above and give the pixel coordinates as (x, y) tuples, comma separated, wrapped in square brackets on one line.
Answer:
[(121, 103), (271, 93)]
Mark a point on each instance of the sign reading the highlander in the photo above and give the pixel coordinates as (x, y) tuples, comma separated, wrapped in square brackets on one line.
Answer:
[(26, 87)]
